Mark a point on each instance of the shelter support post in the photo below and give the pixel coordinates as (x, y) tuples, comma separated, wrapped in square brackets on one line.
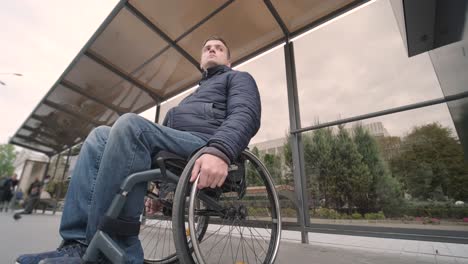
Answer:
[(296, 142), (59, 189), (46, 168), (158, 110)]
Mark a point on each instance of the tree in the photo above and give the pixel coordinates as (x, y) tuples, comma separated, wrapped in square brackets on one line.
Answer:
[(7, 157), (384, 191), (352, 175), (347, 172), (319, 164), (288, 162), (431, 164), (252, 176), (273, 164)]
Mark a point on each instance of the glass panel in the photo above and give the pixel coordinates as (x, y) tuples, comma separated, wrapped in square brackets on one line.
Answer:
[(37, 140), (65, 126), (38, 136), (97, 80), (299, 13), (24, 132), (109, 117), (71, 100), (127, 42), (177, 16), (34, 145), (371, 72), (169, 73), (103, 84), (48, 140), (33, 123), (459, 112), (451, 65), (269, 143), (394, 170), (252, 27)]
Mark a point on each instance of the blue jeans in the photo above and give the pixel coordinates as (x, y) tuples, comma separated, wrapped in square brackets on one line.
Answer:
[(107, 157)]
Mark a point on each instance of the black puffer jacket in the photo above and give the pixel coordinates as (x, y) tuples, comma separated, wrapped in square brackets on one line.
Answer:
[(224, 110)]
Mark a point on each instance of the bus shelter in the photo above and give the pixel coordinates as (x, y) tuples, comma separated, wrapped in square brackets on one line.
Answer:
[(147, 52)]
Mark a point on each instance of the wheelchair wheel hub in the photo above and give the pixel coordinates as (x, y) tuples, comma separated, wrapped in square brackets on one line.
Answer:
[(234, 212)]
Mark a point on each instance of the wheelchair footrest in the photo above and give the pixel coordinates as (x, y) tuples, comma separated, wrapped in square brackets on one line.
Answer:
[(103, 243), (119, 227)]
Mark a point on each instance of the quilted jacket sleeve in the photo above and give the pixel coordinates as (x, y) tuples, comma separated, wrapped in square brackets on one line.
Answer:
[(242, 117)]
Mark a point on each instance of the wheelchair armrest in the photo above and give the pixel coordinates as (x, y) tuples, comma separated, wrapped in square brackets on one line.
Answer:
[(164, 158), (167, 161)]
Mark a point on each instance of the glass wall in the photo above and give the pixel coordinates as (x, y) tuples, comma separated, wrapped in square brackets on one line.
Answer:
[(406, 169), (270, 143)]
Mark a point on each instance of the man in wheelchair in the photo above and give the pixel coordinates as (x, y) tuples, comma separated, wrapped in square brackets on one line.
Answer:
[(220, 118)]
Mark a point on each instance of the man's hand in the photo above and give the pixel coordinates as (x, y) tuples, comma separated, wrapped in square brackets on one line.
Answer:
[(213, 171)]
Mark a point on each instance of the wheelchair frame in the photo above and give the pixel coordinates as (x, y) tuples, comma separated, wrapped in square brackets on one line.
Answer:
[(103, 243)]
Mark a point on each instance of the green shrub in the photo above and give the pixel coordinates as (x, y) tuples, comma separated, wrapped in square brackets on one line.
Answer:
[(438, 212), (374, 216), (327, 213), (345, 216), (288, 212), (356, 216)]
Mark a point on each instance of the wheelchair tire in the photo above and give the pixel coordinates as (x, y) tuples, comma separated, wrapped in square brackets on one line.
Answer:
[(244, 225)]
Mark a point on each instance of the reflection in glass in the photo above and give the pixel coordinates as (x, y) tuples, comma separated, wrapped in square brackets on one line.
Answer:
[(451, 65)]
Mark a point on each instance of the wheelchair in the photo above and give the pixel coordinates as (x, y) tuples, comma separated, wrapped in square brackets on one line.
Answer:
[(239, 222)]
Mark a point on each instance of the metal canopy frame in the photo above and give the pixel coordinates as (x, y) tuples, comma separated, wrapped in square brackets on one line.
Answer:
[(127, 76)]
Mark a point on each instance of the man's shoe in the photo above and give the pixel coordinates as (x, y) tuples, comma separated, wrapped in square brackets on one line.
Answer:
[(62, 260), (16, 216), (69, 250)]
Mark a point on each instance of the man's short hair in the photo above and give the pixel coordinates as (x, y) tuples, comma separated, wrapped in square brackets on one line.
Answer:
[(220, 39)]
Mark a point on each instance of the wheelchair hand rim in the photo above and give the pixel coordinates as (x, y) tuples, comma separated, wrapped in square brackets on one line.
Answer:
[(194, 191)]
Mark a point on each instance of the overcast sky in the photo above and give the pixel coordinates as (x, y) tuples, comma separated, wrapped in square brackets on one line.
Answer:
[(39, 39), (354, 65)]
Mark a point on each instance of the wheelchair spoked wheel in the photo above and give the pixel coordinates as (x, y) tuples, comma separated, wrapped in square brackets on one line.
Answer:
[(156, 230), (244, 217)]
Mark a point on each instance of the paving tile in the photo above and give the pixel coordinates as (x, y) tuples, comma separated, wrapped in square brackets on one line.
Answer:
[(445, 260), (461, 260)]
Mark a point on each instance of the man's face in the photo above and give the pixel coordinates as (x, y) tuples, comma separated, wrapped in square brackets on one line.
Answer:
[(214, 53)]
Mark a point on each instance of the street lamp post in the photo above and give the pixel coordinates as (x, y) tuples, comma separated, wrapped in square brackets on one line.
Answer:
[(9, 73)]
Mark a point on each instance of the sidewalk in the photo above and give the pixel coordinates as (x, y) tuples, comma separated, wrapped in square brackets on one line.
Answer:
[(407, 251), (35, 233)]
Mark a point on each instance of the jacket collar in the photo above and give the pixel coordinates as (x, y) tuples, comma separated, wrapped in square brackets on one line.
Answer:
[(210, 72)]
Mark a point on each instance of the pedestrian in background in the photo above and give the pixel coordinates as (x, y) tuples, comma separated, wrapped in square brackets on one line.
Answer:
[(34, 193), (7, 189)]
